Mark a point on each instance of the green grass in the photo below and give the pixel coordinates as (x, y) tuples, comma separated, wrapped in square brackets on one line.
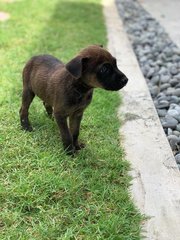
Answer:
[(45, 194)]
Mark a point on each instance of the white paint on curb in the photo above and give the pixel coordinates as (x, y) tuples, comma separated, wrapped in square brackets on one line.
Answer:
[(156, 178)]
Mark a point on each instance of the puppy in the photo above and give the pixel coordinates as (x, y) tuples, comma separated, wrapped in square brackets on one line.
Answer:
[(67, 89)]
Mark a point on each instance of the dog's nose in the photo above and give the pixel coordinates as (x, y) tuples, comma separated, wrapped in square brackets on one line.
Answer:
[(125, 80)]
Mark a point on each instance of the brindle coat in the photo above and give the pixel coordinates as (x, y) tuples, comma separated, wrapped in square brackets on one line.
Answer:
[(67, 89)]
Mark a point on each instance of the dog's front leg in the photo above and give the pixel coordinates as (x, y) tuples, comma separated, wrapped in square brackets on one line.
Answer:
[(65, 133), (74, 123)]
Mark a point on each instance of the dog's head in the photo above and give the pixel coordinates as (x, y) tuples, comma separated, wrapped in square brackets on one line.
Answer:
[(96, 67)]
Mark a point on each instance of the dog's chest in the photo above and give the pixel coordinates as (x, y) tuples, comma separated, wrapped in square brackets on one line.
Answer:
[(79, 100)]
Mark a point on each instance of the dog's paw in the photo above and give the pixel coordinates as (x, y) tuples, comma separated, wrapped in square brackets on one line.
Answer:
[(26, 126), (79, 146), (27, 129), (70, 150)]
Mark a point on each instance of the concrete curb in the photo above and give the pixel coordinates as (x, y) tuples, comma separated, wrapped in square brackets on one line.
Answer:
[(156, 178)]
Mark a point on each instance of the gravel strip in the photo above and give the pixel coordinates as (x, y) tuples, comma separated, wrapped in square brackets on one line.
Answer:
[(159, 59)]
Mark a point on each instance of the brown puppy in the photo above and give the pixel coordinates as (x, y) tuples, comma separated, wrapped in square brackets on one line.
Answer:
[(67, 89)]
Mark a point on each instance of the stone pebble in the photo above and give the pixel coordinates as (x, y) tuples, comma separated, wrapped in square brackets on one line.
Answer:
[(174, 142), (177, 157), (170, 122)]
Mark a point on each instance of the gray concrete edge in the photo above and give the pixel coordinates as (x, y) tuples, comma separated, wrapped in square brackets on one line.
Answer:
[(156, 178)]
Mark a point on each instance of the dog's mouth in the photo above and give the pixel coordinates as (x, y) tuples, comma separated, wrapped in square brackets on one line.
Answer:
[(116, 85)]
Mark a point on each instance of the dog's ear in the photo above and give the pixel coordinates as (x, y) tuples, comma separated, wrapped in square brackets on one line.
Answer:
[(76, 66), (100, 45)]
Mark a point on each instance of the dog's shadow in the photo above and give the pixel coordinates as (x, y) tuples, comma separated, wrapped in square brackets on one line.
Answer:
[(63, 31)]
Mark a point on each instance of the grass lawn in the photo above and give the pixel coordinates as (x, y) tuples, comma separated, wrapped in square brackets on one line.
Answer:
[(45, 194)]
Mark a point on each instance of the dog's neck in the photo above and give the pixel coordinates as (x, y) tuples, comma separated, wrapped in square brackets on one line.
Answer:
[(81, 88)]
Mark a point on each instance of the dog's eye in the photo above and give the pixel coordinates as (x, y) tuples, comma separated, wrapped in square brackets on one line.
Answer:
[(106, 68)]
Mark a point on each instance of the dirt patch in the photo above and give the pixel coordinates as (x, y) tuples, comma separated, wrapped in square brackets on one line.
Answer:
[(4, 16)]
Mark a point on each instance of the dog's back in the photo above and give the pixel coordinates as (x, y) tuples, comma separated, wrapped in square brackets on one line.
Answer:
[(37, 73)]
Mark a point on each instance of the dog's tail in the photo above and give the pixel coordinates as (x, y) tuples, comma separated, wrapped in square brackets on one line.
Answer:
[(27, 71)]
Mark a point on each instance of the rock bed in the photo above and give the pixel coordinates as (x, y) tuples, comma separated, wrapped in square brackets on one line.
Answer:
[(159, 59)]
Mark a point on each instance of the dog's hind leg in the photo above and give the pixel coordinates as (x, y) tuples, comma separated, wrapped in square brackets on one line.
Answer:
[(49, 109), (27, 98)]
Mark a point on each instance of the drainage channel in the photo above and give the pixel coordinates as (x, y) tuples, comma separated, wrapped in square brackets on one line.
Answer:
[(159, 60)]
